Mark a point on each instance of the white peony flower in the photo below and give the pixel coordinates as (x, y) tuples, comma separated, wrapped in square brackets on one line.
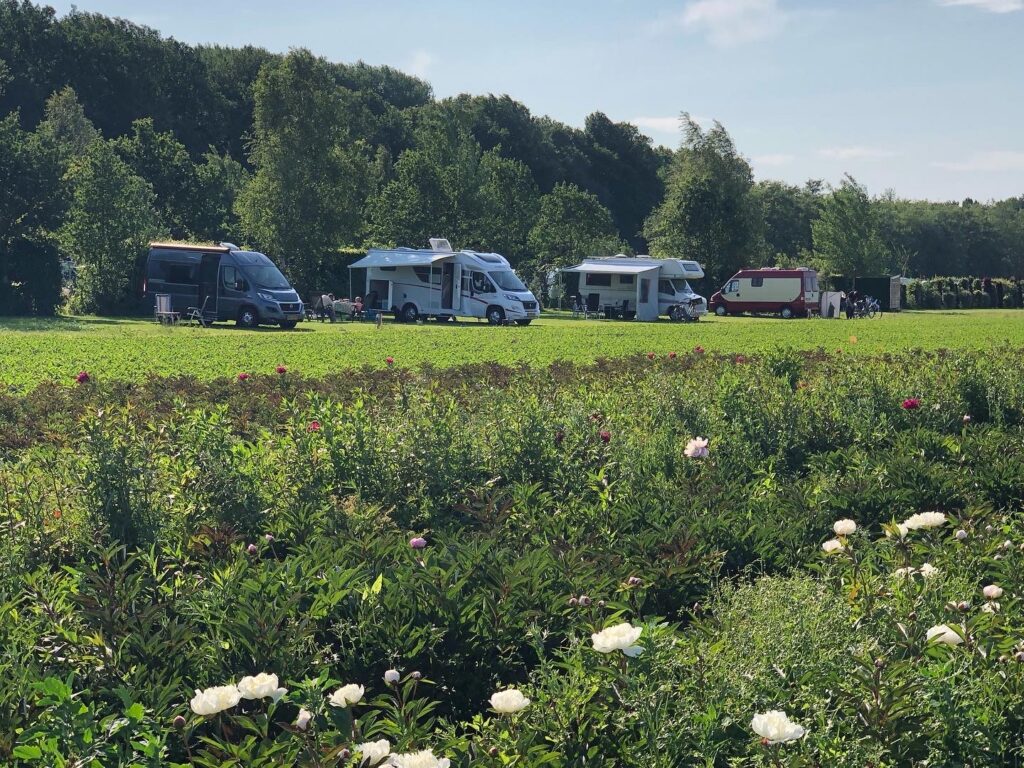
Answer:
[(697, 448), (507, 702), (347, 695), (992, 606), (776, 727), (215, 699), (928, 570), (422, 759), (373, 752), (392, 676), (943, 634), (833, 545), (260, 687), (621, 637), (925, 520), (302, 721), (844, 527), (903, 530), (903, 573), (993, 592)]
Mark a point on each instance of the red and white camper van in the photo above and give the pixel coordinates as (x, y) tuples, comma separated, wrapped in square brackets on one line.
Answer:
[(786, 292)]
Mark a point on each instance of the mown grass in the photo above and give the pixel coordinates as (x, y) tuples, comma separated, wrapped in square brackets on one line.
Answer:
[(37, 350)]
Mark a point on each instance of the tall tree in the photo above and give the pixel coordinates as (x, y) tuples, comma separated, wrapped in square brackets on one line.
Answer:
[(221, 180), (65, 127), (708, 214), (305, 199), (106, 231), (846, 238), (31, 205), (509, 203), (787, 212), (572, 225)]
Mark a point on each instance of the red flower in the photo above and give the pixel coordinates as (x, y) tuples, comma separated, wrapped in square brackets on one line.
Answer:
[(606, 436), (650, 355), (243, 376), (389, 360), (672, 355), (699, 350), (911, 404), (56, 514), (82, 377), (314, 426), (740, 359), (281, 369)]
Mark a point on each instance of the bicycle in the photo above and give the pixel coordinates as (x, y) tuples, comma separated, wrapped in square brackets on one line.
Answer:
[(867, 307)]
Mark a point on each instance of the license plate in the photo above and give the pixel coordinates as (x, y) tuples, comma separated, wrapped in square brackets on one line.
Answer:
[(292, 317)]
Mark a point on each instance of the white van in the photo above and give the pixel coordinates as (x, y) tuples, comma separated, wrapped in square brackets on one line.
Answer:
[(443, 283), (640, 287)]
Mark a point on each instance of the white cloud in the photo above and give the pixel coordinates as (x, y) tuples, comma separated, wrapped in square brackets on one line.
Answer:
[(657, 124), (992, 6), (773, 161), (855, 153), (421, 63), (986, 161), (734, 22)]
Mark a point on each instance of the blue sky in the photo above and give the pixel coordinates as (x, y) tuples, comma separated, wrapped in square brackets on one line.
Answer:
[(924, 97)]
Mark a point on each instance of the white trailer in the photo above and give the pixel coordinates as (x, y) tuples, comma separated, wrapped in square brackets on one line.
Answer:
[(444, 283), (640, 287)]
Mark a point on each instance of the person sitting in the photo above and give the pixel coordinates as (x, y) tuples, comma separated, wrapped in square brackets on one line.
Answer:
[(357, 307), (325, 307)]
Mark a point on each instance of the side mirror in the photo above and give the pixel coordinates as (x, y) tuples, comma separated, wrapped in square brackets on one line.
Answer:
[(239, 285)]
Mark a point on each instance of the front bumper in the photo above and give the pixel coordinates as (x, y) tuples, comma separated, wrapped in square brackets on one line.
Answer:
[(287, 311)]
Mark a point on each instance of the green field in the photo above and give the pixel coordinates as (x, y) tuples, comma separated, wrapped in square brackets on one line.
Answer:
[(32, 351)]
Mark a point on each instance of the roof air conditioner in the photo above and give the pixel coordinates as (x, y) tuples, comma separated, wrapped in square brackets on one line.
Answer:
[(440, 245)]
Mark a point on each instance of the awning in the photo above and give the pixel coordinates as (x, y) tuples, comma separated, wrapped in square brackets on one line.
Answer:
[(614, 269), (399, 258)]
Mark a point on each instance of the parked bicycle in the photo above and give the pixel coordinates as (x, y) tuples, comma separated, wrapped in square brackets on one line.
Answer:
[(867, 307)]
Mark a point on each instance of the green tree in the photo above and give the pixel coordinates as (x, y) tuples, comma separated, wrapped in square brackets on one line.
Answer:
[(220, 180), (65, 127), (708, 213), (786, 212), (305, 199), (572, 225), (31, 205), (846, 238), (107, 229), (509, 203)]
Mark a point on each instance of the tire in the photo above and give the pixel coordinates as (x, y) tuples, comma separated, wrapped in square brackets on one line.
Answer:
[(786, 313), (721, 311), (524, 322), (676, 314), (288, 325), (409, 313), (495, 315), (248, 317)]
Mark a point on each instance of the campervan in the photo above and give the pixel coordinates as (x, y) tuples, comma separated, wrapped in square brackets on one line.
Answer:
[(444, 283), (223, 282), (786, 292), (640, 287)]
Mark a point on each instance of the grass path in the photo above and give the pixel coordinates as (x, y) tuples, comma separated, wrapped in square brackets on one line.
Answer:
[(32, 351)]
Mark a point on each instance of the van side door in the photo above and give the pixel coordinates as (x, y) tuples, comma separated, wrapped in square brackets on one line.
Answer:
[(234, 291)]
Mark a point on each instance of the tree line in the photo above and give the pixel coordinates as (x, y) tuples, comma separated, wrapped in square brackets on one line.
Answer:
[(112, 135)]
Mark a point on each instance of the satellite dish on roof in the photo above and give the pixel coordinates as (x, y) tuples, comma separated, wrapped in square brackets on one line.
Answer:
[(440, 245)]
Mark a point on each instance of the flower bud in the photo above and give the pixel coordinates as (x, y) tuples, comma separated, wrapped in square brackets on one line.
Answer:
[(179, 723), (1019, 656), (879, 663), (989, 529), (963, 606), (392, 676), (418, 542), (584, 601), (573, 601), (251, 549), (416, 675), (967, 418), (345, 754), (269, 538), (912, 616), (961, 535), (634, 581), (493, 751), (600, 603)]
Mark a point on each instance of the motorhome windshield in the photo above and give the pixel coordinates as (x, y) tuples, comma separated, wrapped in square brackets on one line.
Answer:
[(682, 286), (506, 280), (267, 276)]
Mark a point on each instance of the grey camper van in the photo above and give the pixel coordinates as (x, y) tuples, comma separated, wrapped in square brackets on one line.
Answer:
[(227, 283)]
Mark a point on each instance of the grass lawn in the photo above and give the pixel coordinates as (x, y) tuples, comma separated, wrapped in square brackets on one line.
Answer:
[(55, 349)]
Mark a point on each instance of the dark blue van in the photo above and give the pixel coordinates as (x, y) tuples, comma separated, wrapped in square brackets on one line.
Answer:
[(225, 282)]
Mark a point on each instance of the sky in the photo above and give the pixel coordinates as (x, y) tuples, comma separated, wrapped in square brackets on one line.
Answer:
[(921, 97)]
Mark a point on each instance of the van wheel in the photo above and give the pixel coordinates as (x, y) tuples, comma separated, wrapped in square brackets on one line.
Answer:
[(786, 313), (288, 325), (721, 311), (409, 313), (248, 317), (524, 322), (495, 315)]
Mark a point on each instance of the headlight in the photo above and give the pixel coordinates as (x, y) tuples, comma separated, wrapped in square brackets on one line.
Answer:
[(265, 296), (510, 297)]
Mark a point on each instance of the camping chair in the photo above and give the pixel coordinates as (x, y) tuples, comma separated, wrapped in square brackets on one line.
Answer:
[(198, 314), (164, 311), (370, 308), (578, 307), (593, 307), (323, 308)]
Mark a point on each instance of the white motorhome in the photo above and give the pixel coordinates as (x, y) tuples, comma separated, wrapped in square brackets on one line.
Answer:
[(443, 283), (640, 287)]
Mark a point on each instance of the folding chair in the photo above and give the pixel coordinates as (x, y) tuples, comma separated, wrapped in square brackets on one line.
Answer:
[(164, 310), (198, 314)]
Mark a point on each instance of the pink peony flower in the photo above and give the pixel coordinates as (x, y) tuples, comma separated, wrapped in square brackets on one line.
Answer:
[(741, 359), (606, 436), (82, 377), (389, 360), (418, 542), (698, 350), (672, 355), (650, 355), (314, 426), (243, 376), (697, 448), (281, 369), (911, 404)]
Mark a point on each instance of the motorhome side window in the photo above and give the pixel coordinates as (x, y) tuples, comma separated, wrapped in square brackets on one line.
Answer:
[(665, 286), (733, 286), (756, 282), (599, 280), (625, 279), (183, 274), (481, 284), (232, 279)]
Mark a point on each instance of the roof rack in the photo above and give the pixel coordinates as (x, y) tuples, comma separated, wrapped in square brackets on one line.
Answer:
[(222, 248)]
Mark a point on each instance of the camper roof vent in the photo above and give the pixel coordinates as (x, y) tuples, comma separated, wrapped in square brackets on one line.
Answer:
[(440, 245), (643, 256), (490, 258), (232, 246)]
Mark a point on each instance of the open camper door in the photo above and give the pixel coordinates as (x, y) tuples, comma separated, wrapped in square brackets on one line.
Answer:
[(647, 296), (456, 286)]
